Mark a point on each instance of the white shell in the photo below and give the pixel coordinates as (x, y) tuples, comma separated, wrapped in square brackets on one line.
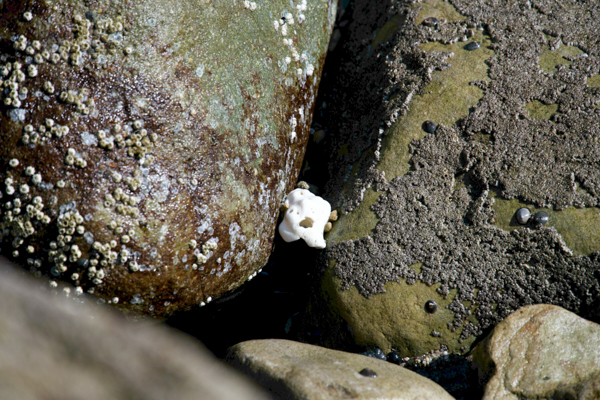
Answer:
[(305, 218)]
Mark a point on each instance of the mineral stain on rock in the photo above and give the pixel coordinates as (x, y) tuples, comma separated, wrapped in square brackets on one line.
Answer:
[(161, 137)]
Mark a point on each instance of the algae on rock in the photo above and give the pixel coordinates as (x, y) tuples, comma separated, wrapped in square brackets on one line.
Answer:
[(442, 199), (162, 135)]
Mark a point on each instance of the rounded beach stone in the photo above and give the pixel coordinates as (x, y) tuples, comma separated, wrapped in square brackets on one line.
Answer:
[(523, 215), (539, 219), (472, 46), (535, 343), (429, 127)]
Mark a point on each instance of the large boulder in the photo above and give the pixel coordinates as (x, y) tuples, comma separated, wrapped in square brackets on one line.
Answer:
[(147, 145), (52, 347), (292, 370), (427, 253), (541, 351)]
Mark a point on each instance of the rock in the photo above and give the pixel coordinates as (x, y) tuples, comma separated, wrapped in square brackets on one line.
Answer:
[(431, 216), (375, 353), (541, 351), (52, 347), (293, 370), (147, 145)]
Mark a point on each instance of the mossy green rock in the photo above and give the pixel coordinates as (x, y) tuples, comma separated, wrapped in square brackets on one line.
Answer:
[(146, 145), (540, 351), (429, 216)]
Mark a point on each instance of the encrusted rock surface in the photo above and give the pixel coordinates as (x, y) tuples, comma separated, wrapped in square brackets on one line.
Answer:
[(541, 351), (430, 216), (52, 347), (146, 145), (292, 370)]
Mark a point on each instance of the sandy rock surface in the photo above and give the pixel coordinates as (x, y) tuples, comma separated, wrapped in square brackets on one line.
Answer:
[(541, 351), (52, 347), (429, 214), (293, 370), (147, 145)]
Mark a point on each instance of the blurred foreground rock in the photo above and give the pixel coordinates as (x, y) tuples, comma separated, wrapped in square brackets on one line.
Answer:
[(541, 351), (147, 145), (293, 370), (53, 348)]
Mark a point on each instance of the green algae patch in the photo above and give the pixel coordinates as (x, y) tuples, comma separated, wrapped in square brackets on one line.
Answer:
[(438, 9), (446, 99), (416, 267), (360, 223), (540, 111), (375, 320), (579, 227), (594, 81), (388, 30), (550, 59)]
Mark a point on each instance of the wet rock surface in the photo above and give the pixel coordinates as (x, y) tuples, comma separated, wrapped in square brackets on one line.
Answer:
[(293, 370), (146, 146), (53, 347), (427, 214), (541, 351)]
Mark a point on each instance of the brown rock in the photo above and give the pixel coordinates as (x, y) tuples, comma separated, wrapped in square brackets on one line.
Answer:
[(541, 351), (54, 348), (293, 370), (146, 145)]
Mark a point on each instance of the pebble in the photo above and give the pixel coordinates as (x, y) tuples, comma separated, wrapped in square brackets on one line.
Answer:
[(394, 357), (375, 353), (540, 218), (429, 127), (368, 372), (430, 306), (430, 22), (523, 215), (472, 46)]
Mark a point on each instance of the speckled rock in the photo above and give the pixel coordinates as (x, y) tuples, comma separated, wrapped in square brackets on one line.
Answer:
[(293, 370), (541, 351), (52, 347), (431, 216), (146, 145)]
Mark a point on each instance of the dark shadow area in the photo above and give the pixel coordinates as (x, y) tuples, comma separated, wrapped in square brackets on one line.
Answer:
[(455, 374), (263, 308), (359, 91)]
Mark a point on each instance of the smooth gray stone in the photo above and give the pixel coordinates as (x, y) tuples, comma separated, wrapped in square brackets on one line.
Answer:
[(294, 371), (541, 351)]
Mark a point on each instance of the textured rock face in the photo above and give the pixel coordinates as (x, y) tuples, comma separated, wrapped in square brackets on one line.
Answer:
[(541, 351), (146, 145), (294, 370), (54, 348), (430, 216)]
